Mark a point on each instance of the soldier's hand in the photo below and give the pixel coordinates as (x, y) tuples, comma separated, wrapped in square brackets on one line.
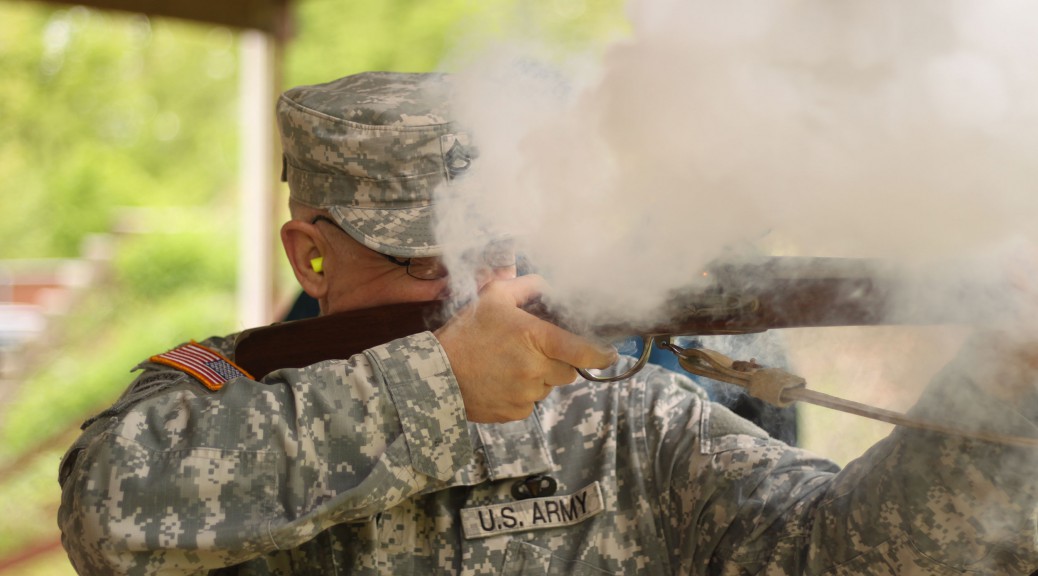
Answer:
[(506, 359)]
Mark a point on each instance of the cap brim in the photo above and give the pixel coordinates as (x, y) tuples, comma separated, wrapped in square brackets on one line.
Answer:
[(401, 232)]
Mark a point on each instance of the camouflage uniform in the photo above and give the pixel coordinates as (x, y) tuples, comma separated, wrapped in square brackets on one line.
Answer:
[(367, 465)]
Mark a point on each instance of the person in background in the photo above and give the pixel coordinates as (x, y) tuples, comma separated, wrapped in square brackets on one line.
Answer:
[(475, 449)]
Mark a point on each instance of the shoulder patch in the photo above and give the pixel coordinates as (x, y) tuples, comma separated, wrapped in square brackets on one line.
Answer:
[(210, 367)]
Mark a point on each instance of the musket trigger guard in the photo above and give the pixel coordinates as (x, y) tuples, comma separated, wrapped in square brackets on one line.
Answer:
[(648, 342)]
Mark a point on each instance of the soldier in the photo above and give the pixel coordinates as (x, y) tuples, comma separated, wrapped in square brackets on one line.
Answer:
[(472, 450)]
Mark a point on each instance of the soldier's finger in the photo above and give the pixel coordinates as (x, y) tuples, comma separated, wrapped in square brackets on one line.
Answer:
[(574, 350), (559, 373)]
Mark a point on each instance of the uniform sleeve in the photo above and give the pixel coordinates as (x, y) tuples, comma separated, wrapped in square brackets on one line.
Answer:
[(188, 480), (737, 502)]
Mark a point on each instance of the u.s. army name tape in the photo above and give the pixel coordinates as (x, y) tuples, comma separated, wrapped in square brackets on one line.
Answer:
[(532, 514)]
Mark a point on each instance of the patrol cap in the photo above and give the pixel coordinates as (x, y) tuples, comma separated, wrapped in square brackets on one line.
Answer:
[(372, 149)]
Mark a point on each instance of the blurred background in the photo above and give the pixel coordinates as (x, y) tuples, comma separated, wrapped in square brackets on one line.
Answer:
[(139, 186)]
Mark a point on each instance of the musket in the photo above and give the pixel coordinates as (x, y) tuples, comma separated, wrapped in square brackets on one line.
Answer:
[(734, 297), (726, 298)]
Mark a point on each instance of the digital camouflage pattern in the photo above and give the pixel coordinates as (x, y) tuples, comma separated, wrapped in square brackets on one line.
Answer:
[(364, 466), (372, 149), (368, 466)]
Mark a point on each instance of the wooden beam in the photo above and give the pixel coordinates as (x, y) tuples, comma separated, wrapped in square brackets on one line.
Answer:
[(270, 16)]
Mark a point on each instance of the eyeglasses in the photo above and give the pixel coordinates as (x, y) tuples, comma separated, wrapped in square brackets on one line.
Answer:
[(497, 254)]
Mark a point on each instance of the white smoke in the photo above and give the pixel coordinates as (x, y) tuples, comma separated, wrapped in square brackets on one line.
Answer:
[(882, 128)]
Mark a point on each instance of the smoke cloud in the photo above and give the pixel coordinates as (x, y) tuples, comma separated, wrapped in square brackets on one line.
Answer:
[(905, 131)]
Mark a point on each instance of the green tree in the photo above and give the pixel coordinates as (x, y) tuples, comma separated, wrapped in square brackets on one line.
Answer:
[(103, 110), (336, 38)]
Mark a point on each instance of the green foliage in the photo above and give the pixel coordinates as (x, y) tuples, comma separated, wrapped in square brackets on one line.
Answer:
[(103, 110), (108, 109), (335, 39), (160, 266)]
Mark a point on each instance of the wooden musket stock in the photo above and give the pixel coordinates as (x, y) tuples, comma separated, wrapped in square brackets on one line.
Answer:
[(732, 298)]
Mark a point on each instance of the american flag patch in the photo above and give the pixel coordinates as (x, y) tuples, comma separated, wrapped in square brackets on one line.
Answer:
[(211, 368)]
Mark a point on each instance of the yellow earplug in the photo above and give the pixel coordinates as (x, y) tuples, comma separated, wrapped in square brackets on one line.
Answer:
[(317, 264)]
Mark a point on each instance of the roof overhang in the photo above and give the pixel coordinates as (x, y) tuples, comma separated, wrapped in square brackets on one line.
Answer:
[(270, 16)]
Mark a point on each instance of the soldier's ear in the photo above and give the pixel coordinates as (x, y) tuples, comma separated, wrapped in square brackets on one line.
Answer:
[(306, 251)]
